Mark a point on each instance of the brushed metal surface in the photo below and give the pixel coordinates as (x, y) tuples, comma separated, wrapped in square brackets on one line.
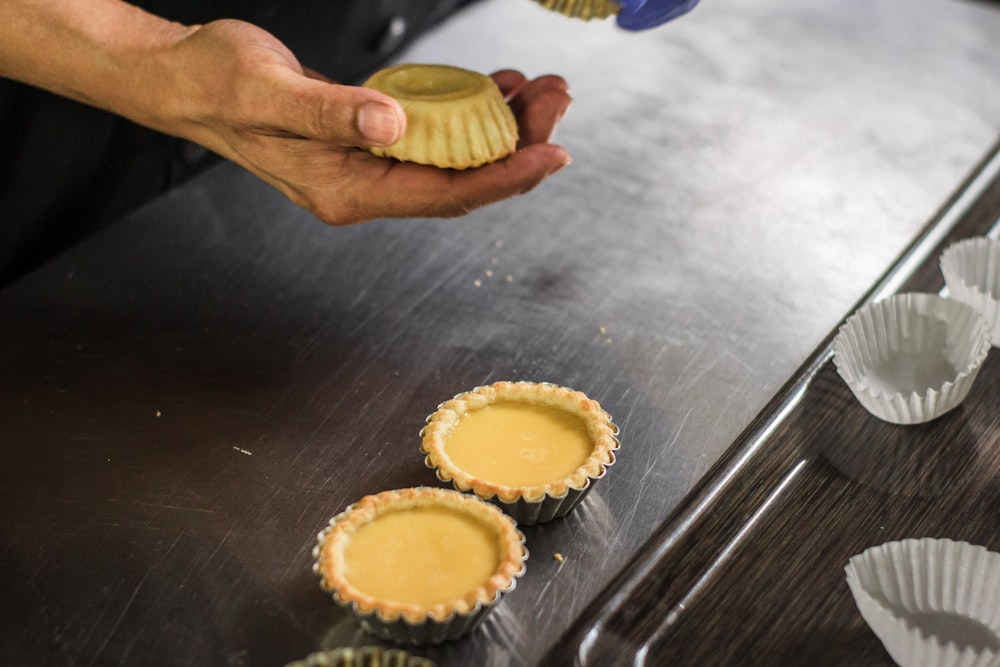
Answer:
[(811, 481), (188, 397)]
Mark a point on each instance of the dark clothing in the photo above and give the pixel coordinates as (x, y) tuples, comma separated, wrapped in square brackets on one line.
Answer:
[(67, 169)]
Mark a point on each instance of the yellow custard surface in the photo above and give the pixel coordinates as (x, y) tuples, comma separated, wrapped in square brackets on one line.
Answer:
[(421, 556), (515, 443)]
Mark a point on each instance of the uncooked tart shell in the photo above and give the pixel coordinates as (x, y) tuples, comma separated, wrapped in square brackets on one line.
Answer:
[(455, 118)]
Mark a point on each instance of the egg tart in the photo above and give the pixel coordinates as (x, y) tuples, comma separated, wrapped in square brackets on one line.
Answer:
[(455, 118), (581, 9), (535, 449), (421, 565)]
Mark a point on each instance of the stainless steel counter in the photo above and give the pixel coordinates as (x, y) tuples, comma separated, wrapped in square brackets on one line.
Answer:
[(187, 398)]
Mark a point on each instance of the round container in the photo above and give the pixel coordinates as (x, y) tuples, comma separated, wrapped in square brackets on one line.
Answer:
[(971, 271), (535, 449), (367, 656), (912, 357), (931, 602), (421, 565)]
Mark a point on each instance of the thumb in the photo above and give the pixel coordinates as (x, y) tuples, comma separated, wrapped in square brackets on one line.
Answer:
[(339, 114)]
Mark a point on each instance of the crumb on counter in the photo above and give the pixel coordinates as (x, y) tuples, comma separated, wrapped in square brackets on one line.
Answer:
[(558, 557)]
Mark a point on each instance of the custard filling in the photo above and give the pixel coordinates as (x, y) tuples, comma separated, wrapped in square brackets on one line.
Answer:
[(422, 556), (515, 443)]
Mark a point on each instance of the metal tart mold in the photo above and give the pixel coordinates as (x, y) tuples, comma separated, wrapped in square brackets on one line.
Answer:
[(405, 622), (527, 504), (365, 656)]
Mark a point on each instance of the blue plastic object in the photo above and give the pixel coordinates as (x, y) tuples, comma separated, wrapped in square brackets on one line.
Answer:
[(645, 14)]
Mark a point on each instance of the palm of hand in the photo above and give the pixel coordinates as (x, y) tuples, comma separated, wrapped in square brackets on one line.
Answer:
[(298, 132)]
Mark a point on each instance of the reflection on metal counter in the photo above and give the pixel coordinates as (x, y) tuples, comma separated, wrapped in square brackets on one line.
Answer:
[(189, 396)]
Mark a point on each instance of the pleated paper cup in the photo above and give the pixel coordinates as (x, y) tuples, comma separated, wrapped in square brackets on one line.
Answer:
[(971, 271), (912, 357), (932, 603)]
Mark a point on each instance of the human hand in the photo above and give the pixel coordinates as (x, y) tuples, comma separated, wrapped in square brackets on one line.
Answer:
[(257, 106), (644, 14)]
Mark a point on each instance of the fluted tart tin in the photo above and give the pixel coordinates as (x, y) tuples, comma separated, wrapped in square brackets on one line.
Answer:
[(365, 656), (419, 565), (534, 448)]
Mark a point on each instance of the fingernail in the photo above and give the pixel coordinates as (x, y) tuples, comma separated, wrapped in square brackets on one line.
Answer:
[(562, 166), (379, 123)]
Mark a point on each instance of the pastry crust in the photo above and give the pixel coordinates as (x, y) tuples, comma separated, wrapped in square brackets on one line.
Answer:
[(331, 544), (599, 426), (455, 118), (581, 9)]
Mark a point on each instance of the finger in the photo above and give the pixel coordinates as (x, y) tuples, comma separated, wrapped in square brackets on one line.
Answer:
[(409, 190), (539, 111), (343, 116), (537, 87), (509, 82)]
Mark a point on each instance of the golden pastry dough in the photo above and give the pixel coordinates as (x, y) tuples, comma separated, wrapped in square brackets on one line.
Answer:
[(455, 118), (581, 9)]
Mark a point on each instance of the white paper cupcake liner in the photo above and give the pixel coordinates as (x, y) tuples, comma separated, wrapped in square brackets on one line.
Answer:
[(971, 271), (932, 603), (913, 357)]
